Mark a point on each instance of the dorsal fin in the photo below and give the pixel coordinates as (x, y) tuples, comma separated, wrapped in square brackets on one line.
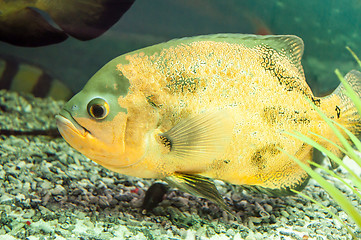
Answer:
[(289, 45)]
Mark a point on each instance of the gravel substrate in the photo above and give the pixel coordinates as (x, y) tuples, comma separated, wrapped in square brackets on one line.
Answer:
[(50, 191)]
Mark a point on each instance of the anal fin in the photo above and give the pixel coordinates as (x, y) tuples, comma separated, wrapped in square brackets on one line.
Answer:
[(199, 186)]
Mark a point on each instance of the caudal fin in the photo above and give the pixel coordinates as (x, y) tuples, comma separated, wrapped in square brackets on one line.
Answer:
[(345, 113), (351, 118), (353, 78)]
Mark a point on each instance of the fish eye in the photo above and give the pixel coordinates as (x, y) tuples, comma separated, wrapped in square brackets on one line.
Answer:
[(98, 108)]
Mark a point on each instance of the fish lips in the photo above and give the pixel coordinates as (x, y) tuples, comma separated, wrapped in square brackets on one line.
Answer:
[(67, 125)]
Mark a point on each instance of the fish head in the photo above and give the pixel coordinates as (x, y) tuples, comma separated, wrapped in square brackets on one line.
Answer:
[(94, 122)]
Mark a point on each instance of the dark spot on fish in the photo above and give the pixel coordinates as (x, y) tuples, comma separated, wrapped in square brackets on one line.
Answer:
[(227, 161), (181, 82), (166, 142), (151, 100), (270, 63), (272, 113), (316, 101), (260, 156), (338, 111), (279, 115), (301, 120)]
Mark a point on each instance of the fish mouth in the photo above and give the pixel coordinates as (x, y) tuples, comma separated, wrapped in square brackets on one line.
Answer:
[(68, 122)]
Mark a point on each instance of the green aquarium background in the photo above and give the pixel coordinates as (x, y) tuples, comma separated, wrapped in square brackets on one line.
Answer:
[(326, 26)]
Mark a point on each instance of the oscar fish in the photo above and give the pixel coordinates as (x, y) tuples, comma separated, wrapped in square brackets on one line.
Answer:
[(208, 107)]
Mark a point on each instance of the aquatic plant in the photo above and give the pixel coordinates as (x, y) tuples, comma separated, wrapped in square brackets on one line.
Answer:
[(347, 149)]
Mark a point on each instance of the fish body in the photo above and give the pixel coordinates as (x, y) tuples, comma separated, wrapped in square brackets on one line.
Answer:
[(215, 106)]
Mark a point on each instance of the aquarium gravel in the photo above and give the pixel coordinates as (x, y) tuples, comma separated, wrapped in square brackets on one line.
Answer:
[(50, 191)]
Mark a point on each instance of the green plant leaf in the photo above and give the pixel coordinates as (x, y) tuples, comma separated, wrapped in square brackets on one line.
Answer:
[(349, 150), (349, 91), (328, 153), (336, 194), (354, 55), (345, 136), (328, 211), (333, 174), (354, 140)]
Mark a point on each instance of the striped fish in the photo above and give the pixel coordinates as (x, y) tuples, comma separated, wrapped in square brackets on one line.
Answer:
[(21, 76)]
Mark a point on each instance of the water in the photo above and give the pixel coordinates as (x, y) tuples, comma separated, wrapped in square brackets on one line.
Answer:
[(326, 26)]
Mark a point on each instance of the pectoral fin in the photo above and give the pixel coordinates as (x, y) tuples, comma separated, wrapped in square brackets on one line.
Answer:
[(203, 137), (198, 186)]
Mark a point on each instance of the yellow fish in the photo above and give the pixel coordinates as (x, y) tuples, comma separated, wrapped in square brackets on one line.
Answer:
[(207, 107)]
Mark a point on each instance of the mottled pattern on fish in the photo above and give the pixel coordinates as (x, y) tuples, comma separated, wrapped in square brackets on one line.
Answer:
[(212, 106), (263, 92)]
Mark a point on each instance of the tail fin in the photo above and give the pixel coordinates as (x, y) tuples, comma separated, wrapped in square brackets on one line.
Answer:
[(351, 118), (353, 78), (347, 114)]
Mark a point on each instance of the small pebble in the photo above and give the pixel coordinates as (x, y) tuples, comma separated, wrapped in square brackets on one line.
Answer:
[(58, 190)]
